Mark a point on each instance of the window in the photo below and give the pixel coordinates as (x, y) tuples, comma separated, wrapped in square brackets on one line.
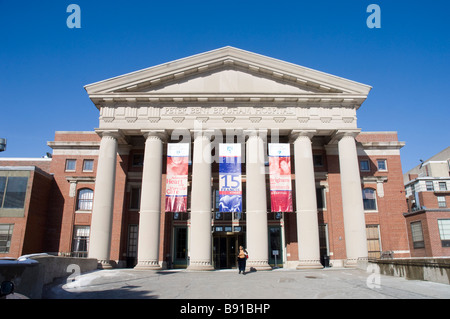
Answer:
[(138, 160), (88, 165), (417, 235), (71, 165), (364, 166), (323, 239), (132, 241), (12, 191), (320, 198), (442, 186), (369, 199), (80, 242), (135, 197), (430, 186), (382, 165), (85, 198), (444, 231), (6, 231), (441, 201), (318, 160)]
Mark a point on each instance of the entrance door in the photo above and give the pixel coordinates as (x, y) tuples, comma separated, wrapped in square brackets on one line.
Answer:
[(225, 250), (275, 246), (180, 247)]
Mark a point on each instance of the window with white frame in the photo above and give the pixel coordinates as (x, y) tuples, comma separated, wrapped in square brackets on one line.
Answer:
[(369, 199), (70, 165), (442, 186), (444, 231), (417, 235), (382, 164), (430, 186), (441, 201), (85, 199), (80, 241), (88, 165)]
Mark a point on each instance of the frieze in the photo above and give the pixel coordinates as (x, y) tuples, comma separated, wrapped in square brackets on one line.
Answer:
[(224, 111)]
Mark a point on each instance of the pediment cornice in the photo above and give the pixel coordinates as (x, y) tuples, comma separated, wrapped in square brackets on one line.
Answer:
[(142, 86)]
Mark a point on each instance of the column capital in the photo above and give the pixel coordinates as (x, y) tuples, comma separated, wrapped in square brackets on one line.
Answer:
[(340, 134), (295, 134), (202, 133), (159, 134), (116, 134), (261, 133)]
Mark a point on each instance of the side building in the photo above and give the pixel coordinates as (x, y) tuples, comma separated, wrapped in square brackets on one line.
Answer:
[(25, 187), (428, 196)]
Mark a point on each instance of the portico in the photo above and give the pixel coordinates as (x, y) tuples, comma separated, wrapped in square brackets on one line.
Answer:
[(229, 96)]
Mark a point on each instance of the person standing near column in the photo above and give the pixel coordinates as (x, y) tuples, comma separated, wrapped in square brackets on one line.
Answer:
[(242, 259)]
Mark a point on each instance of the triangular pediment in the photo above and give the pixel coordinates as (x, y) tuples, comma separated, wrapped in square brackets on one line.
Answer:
[(227, 80), (227, 72)]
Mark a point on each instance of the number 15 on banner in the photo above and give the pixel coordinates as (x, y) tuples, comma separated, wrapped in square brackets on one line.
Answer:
[(230, 181)]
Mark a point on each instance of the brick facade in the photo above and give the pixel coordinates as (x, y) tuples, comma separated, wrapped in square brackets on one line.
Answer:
[(62, 214)]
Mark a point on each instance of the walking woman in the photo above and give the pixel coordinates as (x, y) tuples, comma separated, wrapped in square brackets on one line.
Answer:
[(242, 258)]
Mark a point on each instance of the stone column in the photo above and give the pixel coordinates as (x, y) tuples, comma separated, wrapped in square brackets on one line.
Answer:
[(352, 202), (150, 207), (257, 232), (102, 211), (200, 230), (305, 194)]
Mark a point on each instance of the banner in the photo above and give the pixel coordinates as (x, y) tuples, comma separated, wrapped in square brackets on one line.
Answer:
[(230, 186), (280, 177), (177, 177)]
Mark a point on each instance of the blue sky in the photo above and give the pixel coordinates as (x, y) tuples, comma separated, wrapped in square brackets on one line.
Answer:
[(44, 64)]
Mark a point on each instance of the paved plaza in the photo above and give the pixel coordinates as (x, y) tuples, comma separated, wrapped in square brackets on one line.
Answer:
[(328, 283)]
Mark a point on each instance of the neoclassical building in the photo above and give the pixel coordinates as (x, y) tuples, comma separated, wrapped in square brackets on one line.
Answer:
[(338, 195)]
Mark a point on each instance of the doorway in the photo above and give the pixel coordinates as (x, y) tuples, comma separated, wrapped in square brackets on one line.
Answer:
[(275, 247), (225, 250)]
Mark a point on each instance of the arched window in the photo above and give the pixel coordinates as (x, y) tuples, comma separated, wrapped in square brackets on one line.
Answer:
[(369, 199), (85, 198)]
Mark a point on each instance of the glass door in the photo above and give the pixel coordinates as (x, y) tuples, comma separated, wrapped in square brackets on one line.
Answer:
[(275, 247), (180, 247)]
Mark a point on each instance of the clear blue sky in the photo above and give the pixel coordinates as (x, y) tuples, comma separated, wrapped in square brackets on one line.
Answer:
[(44, 64)]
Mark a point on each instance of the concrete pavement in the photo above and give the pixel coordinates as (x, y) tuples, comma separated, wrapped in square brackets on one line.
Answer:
[(328, 283)]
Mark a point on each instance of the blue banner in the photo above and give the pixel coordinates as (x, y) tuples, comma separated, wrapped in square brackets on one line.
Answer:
[(230, 185)]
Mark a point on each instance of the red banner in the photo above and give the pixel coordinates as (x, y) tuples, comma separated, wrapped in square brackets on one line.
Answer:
[(280, 178), (177, 173)]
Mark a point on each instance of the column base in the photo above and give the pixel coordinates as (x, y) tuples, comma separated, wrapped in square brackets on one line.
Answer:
[(104, 264), (148, 265), (200, 266), (354, 262), (253, 265), (309, 264)]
